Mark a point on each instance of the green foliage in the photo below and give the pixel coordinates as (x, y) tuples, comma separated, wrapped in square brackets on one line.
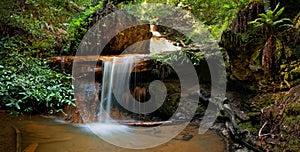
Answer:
[(255, 60), (272, 25), (28, 85), (78, 26), (40, 21), (178, 56), (162, 62), (295, 43), (253, 128), (41, 25), (271, 22), (30, 29), (216, 14)]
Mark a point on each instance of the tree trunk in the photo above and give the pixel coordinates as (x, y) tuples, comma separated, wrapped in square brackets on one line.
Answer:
[(269, 57)]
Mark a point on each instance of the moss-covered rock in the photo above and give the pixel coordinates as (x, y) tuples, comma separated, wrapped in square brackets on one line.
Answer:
[(278, 126)]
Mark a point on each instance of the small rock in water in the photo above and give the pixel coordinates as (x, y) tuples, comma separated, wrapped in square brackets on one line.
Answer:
[(178, 114), (225, 132), (216, 126), (182, 118), (187, 137), (184, 137)]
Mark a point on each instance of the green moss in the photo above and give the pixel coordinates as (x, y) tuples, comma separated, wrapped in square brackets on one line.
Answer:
[(258, 105), (290, 132), (293, 109), (250, 126)]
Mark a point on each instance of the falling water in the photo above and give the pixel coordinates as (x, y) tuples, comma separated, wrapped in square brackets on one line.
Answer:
[(116, 87), (158, 44), (116, 76), (106, 92), (115, 84)]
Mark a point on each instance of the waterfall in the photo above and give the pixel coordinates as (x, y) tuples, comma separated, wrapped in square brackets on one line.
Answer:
[(115, 84), (158, 44), (117, 72), (106, 92), (116, 87)]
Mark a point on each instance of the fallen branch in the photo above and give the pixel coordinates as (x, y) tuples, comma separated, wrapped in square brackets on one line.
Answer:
[(146, 124), (18, 139)]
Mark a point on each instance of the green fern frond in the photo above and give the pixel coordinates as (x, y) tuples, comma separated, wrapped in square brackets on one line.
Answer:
[(277, 6), (286, 25), (270, 15), (263, 15), (279, 12), (295, 20), (277, 22)]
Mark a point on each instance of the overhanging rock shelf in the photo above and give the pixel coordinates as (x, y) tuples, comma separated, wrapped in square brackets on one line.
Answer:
[(93, 64)]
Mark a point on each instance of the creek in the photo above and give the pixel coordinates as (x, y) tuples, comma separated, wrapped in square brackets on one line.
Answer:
[(52, 134)]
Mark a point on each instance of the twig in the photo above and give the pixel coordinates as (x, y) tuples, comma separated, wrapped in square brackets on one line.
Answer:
[(182, 43), (260, 130)]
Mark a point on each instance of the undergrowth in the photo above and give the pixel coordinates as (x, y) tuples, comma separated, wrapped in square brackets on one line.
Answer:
[(28, 85)]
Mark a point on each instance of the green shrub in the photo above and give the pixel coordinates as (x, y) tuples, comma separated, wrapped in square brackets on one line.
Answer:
[(28, 85), (79, 25)]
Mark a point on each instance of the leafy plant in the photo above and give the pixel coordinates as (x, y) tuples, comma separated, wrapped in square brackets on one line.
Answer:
[(273, 50), (270, 22), (79, 25), (42, 25), (178, 56), (163, 61), (216, 14), (28, 85)]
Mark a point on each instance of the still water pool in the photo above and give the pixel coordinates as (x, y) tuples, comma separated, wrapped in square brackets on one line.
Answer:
[(54, 135)]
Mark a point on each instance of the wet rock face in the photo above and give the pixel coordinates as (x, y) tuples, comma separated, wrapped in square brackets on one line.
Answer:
[(114, 33), (87, 102), (118, 35), (127, 38)]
